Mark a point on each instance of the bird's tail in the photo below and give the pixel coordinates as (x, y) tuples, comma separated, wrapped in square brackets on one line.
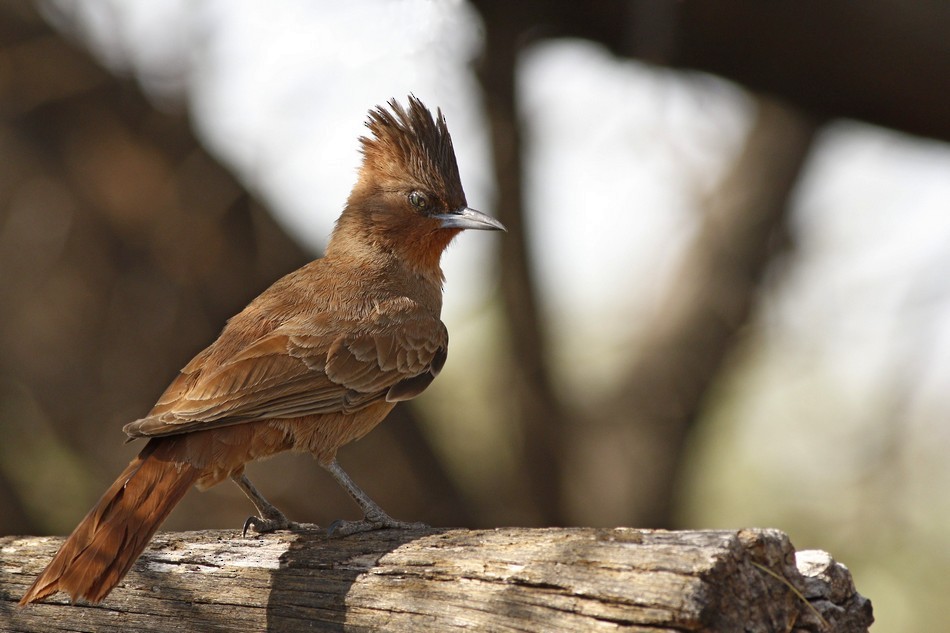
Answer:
[(107, 542)]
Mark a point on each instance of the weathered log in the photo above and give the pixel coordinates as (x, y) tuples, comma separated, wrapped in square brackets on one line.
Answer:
[(576, 579)]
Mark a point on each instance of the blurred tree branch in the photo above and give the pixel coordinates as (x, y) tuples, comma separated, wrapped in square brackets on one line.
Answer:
[(880, 61)]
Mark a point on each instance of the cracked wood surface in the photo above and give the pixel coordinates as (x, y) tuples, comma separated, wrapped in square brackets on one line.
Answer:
[(558, 579)]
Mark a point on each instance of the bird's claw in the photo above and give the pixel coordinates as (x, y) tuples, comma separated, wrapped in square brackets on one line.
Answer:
[(341, 527), (270, 524)]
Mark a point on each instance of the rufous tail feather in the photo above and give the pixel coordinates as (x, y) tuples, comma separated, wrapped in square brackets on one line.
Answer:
[(110, 538)]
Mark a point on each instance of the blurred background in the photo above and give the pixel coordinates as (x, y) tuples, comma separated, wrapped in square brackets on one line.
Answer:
[(723, 301)]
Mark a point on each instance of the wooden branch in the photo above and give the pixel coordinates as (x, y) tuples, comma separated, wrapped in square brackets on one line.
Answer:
[(579, 579)]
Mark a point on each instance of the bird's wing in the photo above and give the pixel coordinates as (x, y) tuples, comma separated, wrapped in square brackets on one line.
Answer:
[(296, 371)]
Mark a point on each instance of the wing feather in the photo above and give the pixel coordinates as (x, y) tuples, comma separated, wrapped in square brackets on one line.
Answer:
[(296, 371)]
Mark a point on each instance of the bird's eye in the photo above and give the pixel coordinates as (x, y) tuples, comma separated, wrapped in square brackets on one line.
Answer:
[(418, 200)]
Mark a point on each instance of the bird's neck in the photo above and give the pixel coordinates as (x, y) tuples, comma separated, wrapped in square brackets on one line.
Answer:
[(410, 253)]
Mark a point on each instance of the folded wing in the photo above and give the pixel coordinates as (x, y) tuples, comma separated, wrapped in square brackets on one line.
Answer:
[(299, 370)]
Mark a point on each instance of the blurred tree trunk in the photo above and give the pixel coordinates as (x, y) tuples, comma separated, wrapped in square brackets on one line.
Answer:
[(542, 418), (642, 431), (14, 517), (124, 247), (711, 298)]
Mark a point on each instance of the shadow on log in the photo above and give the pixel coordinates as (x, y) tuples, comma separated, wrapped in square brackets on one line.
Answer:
[(511, 579)]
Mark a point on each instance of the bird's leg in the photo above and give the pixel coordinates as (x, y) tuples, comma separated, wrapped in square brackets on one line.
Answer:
[(269, 517), (374, 518)]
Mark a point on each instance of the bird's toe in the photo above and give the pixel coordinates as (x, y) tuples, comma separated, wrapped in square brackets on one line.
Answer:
[(271, 524), (341, 527)]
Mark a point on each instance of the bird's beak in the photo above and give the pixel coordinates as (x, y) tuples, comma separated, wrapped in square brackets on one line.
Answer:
[(465, 218)]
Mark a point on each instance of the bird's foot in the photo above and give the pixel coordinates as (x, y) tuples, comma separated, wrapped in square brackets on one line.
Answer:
[(271, 523), (374, 518), (341, 527)]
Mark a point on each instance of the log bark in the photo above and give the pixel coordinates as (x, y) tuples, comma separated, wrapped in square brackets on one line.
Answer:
[(563, 579)]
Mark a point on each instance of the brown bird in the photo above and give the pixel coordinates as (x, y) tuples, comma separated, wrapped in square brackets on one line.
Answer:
[(316, 361)]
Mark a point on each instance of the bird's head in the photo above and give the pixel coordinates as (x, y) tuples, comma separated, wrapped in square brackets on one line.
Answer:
[(408, 199)]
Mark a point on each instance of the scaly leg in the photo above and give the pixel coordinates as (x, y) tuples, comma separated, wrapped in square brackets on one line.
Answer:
[(269, 517), (374, 518)]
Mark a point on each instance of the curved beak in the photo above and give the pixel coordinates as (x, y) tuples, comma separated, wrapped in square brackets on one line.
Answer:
[(465, 218)]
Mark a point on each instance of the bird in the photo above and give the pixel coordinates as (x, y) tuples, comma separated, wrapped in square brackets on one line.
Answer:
[(314, 362)]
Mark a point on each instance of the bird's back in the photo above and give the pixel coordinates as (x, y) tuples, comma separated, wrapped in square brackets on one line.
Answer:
[(331, 337)]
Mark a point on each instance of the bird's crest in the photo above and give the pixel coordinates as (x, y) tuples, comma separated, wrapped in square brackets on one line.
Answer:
[(410, 141)]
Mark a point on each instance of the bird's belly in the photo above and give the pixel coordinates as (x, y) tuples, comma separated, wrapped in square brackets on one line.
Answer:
[(322, 435), (222, 452)]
